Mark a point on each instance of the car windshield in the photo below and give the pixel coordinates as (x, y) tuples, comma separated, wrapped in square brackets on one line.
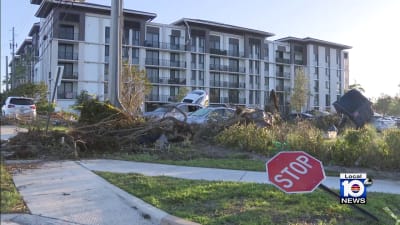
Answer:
[(201, 112), (21, 101)]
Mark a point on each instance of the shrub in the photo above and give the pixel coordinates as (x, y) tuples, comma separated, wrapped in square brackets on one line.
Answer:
[(362, 147), (391, 156), (248, 137)]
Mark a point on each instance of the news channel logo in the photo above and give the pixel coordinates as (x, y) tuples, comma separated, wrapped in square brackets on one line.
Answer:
[(353, 188)]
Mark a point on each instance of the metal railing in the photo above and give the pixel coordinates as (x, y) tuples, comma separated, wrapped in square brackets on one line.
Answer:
[(68, 55)]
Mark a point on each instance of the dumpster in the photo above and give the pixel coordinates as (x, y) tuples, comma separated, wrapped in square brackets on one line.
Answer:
[(354, 105)]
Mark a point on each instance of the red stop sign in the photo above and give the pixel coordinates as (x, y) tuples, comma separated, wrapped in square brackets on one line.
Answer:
[(295, 171)]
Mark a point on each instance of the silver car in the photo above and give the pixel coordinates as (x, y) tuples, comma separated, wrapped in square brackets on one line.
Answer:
[(19, 107), (176, 110), (210, 114)]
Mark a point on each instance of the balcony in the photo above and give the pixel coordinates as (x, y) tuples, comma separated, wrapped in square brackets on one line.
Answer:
[(158, 98), (217, 51), (164, 45), (135, 61), (177, 81), (68, 36), (67, 55), (281, 74), (236, 54), (234, 69), (282, 60), (70, 76), (152, 61), (66, 95)]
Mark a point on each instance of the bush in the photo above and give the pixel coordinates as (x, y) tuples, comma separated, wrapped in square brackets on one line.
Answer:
[(362, 147), (248, 137), (391, 156)]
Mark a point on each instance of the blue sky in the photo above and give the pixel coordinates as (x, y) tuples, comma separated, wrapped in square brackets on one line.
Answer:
[(371, 27)]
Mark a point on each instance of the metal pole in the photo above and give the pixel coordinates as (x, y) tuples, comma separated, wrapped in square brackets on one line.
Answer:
[(363, 211), (115, 51), (13, 61), (7, 81)]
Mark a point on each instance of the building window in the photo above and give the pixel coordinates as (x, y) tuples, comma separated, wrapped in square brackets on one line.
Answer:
[(214, 42), (65, 90), (233, 47), (152, 57), (68, 72), (152, 37), (152, 75), (66, 51), (327, 100), (66, 32), (135, 37), (107, 35)]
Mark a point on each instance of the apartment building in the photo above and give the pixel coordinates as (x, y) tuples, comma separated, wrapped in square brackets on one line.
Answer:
[(235, 65)]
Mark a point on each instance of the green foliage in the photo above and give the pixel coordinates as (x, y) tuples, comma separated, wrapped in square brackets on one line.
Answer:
[(11, 201), (92, 110), (388, 105), (362, 147), (391, 138), (300, 90), (248, 137)]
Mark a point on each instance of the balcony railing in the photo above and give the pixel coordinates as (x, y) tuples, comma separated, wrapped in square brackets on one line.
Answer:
[(281, 74), (70, 76), (177, 81), (158, 98), (217, 51), (68, 35), (68, 55), (163, 45), (282, 60), (66, 95), (236, 54), (236, 69), (165, 63)]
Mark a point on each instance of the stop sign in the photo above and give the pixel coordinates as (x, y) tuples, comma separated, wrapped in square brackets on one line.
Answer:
[(295, 171)]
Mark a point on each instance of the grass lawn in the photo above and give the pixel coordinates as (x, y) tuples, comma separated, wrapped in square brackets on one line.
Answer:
[(11, 201), (248, 203)]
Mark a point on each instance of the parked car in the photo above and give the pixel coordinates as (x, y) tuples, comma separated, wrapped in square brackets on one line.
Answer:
[(18, 107), (211, 114), (197, 97), (174, 110), (383, 123)]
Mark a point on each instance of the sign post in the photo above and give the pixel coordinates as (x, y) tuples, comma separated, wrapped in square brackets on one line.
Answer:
[(299, 172)]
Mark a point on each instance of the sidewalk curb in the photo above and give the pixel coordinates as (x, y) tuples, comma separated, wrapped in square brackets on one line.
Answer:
[(154, 214)]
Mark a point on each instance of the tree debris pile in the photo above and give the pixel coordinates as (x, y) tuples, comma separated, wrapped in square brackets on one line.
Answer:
[(121, 132)]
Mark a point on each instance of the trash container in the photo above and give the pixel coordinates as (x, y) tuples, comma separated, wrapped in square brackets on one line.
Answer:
[(355, 106)]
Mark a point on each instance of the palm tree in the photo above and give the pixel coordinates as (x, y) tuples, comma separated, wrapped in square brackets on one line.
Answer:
[(356, 86)]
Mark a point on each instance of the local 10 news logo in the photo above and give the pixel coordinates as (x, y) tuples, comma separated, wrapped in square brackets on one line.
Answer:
[(353, 188)]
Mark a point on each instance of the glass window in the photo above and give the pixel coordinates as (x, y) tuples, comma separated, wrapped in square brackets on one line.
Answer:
[(107, 35), (214, 42)]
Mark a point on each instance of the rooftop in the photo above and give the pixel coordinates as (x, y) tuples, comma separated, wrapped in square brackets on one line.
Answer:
[(216, 25), (309, 40), (47, 5)]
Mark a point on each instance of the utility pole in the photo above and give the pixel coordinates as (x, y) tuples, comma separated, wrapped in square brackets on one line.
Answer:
[(115, 51), (7, 81), (13, 45)]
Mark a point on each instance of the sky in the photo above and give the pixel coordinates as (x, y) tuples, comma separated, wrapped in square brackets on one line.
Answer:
[(371, 27)]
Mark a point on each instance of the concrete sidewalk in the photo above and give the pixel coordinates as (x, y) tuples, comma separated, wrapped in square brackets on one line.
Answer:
[(152, 169), (68, 193)]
